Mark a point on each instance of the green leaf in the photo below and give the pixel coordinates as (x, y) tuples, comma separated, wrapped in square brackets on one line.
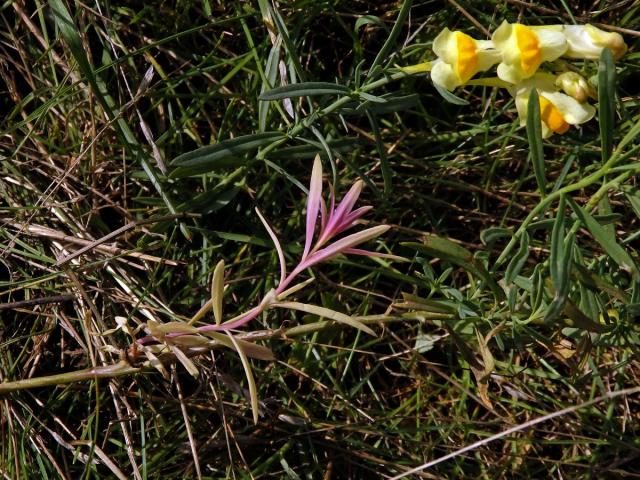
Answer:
[(306, 89), (271, 75), (394, 104), (609, 245), (253, 391), (382, 153), (537, 288), (491, 234), (445, 249), (326, 313), (606, 101), (391, 39), (518, 260), (301, 152), (227, 153), (534, 134), (450, 97), (557, 245), (559, 263), (217, 291), (366, 20), (371, 98)]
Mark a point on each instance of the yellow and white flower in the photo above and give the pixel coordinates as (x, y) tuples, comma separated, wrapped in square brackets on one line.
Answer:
[(523, 49), (587, 42), (576, 86), (460, 57), (557, 110)]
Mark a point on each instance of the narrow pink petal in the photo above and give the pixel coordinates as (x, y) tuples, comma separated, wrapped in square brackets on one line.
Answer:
[(343, 244), (274, 239), (313, 203)]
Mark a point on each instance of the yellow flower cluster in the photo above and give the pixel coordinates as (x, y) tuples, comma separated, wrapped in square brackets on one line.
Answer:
[(519, 51)]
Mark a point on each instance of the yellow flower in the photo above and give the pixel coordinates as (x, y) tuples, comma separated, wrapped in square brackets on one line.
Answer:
[(523, 49), (460, 57), (575, 85), (557, 110), (587, 41)]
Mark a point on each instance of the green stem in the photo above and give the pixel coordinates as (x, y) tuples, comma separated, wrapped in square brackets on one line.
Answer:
[(340, 102), (123, 368), (585, 182)]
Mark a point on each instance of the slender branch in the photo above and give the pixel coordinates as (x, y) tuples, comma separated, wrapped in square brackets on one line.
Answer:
[(131, 366)]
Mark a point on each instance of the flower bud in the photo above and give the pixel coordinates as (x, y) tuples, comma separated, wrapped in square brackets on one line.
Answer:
[(575, 85)]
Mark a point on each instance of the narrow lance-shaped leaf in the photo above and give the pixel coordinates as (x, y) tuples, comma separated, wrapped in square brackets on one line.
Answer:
[(557, 245), (253, 391), (447, 250), (276, 242), (217, 291), (519, 259), (306, 89), (327, 313), (382, 152), (534, 134), (184, 360), (343, 244), (336, 218), (613, 249), (559, 263), (227, 153), (391, 39), (450, 97), (252, 350)]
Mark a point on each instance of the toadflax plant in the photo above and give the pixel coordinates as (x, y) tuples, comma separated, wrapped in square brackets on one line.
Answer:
[(180, 340), (334, 220)]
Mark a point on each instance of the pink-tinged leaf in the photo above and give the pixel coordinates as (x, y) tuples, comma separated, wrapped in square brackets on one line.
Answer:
[(327, 217), (343, 244), (327, 313), (235, 322), (323, 215), (336, 218), (368, 253), (274, 239), (313, 203), (352, 217)]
